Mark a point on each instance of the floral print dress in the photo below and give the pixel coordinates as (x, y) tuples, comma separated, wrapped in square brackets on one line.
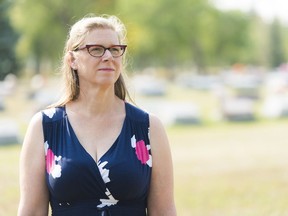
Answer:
[(116, 185)]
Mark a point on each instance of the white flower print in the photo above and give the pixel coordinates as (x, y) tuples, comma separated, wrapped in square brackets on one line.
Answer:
[(57, 158), (52, 166), (56, 172), (133, 141), (142, 151), (149, 133), (46, 146), (104, 172), (50, 112), (149, 162), (105, 176), (108, 202)]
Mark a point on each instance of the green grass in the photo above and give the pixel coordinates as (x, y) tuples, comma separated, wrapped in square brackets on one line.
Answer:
[(220, 169), (226, 170), (232, 169), (9, 179)]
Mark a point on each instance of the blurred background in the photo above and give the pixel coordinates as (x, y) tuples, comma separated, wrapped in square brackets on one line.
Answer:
[(214, 71)]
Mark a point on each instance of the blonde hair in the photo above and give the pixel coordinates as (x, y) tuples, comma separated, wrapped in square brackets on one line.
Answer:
[(75, 38)]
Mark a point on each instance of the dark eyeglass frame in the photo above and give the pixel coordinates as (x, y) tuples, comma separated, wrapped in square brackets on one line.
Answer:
[(88, 46)]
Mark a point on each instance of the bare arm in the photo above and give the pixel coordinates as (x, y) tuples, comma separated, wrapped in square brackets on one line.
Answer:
[(161, 196), (34, 198)]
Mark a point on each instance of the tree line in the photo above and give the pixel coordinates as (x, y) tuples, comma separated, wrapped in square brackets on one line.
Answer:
[(162, 33)]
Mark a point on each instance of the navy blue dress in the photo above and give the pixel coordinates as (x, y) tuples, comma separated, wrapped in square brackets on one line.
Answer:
[(116, 185)]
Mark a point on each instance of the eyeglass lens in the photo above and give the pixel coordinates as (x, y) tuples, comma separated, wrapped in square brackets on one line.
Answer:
[(99, 51)]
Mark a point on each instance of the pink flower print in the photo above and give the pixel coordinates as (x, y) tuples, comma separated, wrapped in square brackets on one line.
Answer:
[(50, 162), (142, 152), (51, 166)]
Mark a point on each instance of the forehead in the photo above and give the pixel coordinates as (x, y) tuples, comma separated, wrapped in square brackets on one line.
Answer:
[(102, 37)]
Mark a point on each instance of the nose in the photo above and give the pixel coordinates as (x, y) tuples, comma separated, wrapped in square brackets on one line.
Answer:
[(107, 55)]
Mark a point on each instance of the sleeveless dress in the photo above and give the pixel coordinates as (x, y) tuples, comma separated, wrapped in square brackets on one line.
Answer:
[(116, 185)]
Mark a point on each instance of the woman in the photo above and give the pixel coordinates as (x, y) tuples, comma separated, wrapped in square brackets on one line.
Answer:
[(91, 153)]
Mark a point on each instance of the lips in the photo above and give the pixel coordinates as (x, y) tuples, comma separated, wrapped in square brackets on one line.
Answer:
[(106, 69)]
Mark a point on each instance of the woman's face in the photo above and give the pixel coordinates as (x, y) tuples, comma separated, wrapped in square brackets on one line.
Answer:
[(102, 71)]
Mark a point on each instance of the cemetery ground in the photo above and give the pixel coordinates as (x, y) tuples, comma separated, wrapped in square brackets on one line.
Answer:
[(220, 168)]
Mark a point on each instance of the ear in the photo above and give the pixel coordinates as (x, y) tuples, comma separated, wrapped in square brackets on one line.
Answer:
[(72, 61)]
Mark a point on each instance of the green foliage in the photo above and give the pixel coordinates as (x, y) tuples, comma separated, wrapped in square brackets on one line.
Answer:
[(173, 32), (166, 33), (276, 44), (231, 38), (8, 39), (258, 51), (44, 25)]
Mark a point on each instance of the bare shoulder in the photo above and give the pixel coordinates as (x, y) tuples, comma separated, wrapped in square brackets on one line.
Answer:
[(158, 135), (34, 134), (155, 121), (35, 126), (156, 125), (158, 138), (161, 194), (36, 119), (33, 190)]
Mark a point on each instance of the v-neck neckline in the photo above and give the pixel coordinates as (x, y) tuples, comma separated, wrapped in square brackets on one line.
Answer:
[(77, 141)]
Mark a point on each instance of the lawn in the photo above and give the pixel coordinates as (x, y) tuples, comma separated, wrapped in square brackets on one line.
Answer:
[(220, 169), (231, 170), (226, 170), (9, 180)]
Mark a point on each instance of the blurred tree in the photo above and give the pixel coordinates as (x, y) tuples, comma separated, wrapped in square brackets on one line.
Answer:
[(169, 33), (258, 50), (165, 33), (140, 36), (285, 42), (231, 38), (44, 25), (277, 53), (8, 39), (188, 32)]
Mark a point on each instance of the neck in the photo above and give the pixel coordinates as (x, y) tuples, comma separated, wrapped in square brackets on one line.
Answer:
[(96, 102)]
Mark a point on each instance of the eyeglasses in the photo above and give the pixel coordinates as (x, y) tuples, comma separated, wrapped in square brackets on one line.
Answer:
[(99, 50)]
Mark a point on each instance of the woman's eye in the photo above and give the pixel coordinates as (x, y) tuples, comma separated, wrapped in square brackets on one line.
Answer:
[(96, 49), (115, 49)]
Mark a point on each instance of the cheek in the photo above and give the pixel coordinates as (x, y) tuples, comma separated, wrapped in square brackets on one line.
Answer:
[(87, 64), (119, 64)]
